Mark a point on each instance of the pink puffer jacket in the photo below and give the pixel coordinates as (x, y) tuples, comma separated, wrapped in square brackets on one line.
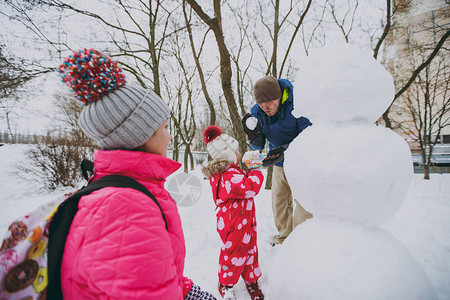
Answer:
[(118, 246)]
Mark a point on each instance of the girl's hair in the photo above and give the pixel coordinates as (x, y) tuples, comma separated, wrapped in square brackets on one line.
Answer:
[(216, 166)]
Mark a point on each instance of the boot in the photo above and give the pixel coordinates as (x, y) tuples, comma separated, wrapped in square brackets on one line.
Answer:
[(254, 291), (226, 292)]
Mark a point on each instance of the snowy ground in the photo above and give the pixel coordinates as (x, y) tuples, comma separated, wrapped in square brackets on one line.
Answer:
[(422, 225)]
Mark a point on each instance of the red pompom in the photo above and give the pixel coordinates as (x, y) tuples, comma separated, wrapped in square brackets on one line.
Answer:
[(211, 133)]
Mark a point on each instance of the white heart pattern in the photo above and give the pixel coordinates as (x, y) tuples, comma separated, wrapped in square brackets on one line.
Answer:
[(227, 245), (238, 261), (220, 224), (246, 238), (249, 205), (237, 178), (228, 186), (255, 179), (249, 194)]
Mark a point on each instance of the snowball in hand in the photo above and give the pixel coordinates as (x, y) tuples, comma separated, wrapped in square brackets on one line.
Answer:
[(342, 83), (251, 123), (356, 173)]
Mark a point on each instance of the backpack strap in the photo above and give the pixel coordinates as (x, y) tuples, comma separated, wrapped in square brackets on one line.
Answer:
[(87, 168), (218, 186), (217, 190), (62, 220)]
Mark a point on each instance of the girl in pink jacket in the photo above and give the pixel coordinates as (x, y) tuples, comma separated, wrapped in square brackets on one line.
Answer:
[(233, 191), (118, 246)]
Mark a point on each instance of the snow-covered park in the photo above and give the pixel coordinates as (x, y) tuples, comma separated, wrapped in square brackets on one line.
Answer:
[(421, 224), (378, 232)]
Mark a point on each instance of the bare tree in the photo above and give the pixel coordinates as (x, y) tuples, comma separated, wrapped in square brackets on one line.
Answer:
[(428, 108), (136, 31), (14, 74), (387, 28), (291, 42), (215, 24), (278, 22), (196, 56), (393, 10), (181, 97), (242, 53), (274, 30), (316, 33), (345, 25), (55, 159)]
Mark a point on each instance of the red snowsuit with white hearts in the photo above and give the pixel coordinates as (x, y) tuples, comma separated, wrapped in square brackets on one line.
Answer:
[(236, 223)]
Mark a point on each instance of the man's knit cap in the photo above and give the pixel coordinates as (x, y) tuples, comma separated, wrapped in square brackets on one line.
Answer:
[(266, 89)]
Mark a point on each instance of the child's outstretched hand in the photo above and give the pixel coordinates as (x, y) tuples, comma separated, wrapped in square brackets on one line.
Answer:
[(252, 159)]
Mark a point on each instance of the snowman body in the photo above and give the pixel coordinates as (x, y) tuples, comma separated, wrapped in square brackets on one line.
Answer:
[(352, 176)]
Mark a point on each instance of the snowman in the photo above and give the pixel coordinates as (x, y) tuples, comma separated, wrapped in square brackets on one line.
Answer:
[(353, 176)]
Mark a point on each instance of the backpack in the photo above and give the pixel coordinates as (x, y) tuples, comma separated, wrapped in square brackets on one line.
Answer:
[(31, 254)]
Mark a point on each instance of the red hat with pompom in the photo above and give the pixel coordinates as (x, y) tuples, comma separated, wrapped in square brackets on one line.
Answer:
[(219, 144)]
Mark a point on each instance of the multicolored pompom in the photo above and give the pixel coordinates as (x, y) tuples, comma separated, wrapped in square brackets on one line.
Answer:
[(90, 75)]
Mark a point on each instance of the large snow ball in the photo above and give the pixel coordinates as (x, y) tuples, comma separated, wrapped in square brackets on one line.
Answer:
[(342, 83), (328, 261), (359, 173)]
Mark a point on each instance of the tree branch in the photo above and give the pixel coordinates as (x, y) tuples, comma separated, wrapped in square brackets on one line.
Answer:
[(422, 66)]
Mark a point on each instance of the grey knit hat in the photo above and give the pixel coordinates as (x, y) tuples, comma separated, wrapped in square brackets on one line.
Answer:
[(266, 89), (125, 118), (116, 116)]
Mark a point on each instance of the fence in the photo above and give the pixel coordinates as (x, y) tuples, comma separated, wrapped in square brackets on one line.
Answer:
[(437, 169), (199, 157), (6, 138)]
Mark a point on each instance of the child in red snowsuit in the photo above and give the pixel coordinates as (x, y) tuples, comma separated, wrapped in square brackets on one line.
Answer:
[(233, 192)]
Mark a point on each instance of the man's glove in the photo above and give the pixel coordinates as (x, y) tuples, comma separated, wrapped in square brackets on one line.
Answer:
[(254, 135), (274, 156)]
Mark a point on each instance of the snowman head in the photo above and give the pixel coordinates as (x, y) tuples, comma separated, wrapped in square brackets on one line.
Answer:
[(342, 83)]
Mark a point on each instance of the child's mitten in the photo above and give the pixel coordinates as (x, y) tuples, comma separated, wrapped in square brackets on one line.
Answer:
[(253, 159)]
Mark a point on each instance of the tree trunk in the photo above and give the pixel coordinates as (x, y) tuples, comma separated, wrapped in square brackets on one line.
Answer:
[(426, 171), (176, 151), (208, 99), (191, 158), (387, 120), (187, 151), (225, 69), (8, 123), (269, 178), (276, 28)]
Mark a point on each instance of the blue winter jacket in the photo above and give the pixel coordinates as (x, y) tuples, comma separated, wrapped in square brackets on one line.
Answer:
[(281, 128)]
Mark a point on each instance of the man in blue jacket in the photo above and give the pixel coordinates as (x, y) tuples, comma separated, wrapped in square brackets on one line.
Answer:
[(279, 127)]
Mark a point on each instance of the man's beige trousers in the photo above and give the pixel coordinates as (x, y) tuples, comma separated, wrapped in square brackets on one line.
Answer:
[(283, 206)]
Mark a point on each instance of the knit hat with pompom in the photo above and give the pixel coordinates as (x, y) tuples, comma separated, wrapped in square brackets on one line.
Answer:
[(219, 144), (115, 115)]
